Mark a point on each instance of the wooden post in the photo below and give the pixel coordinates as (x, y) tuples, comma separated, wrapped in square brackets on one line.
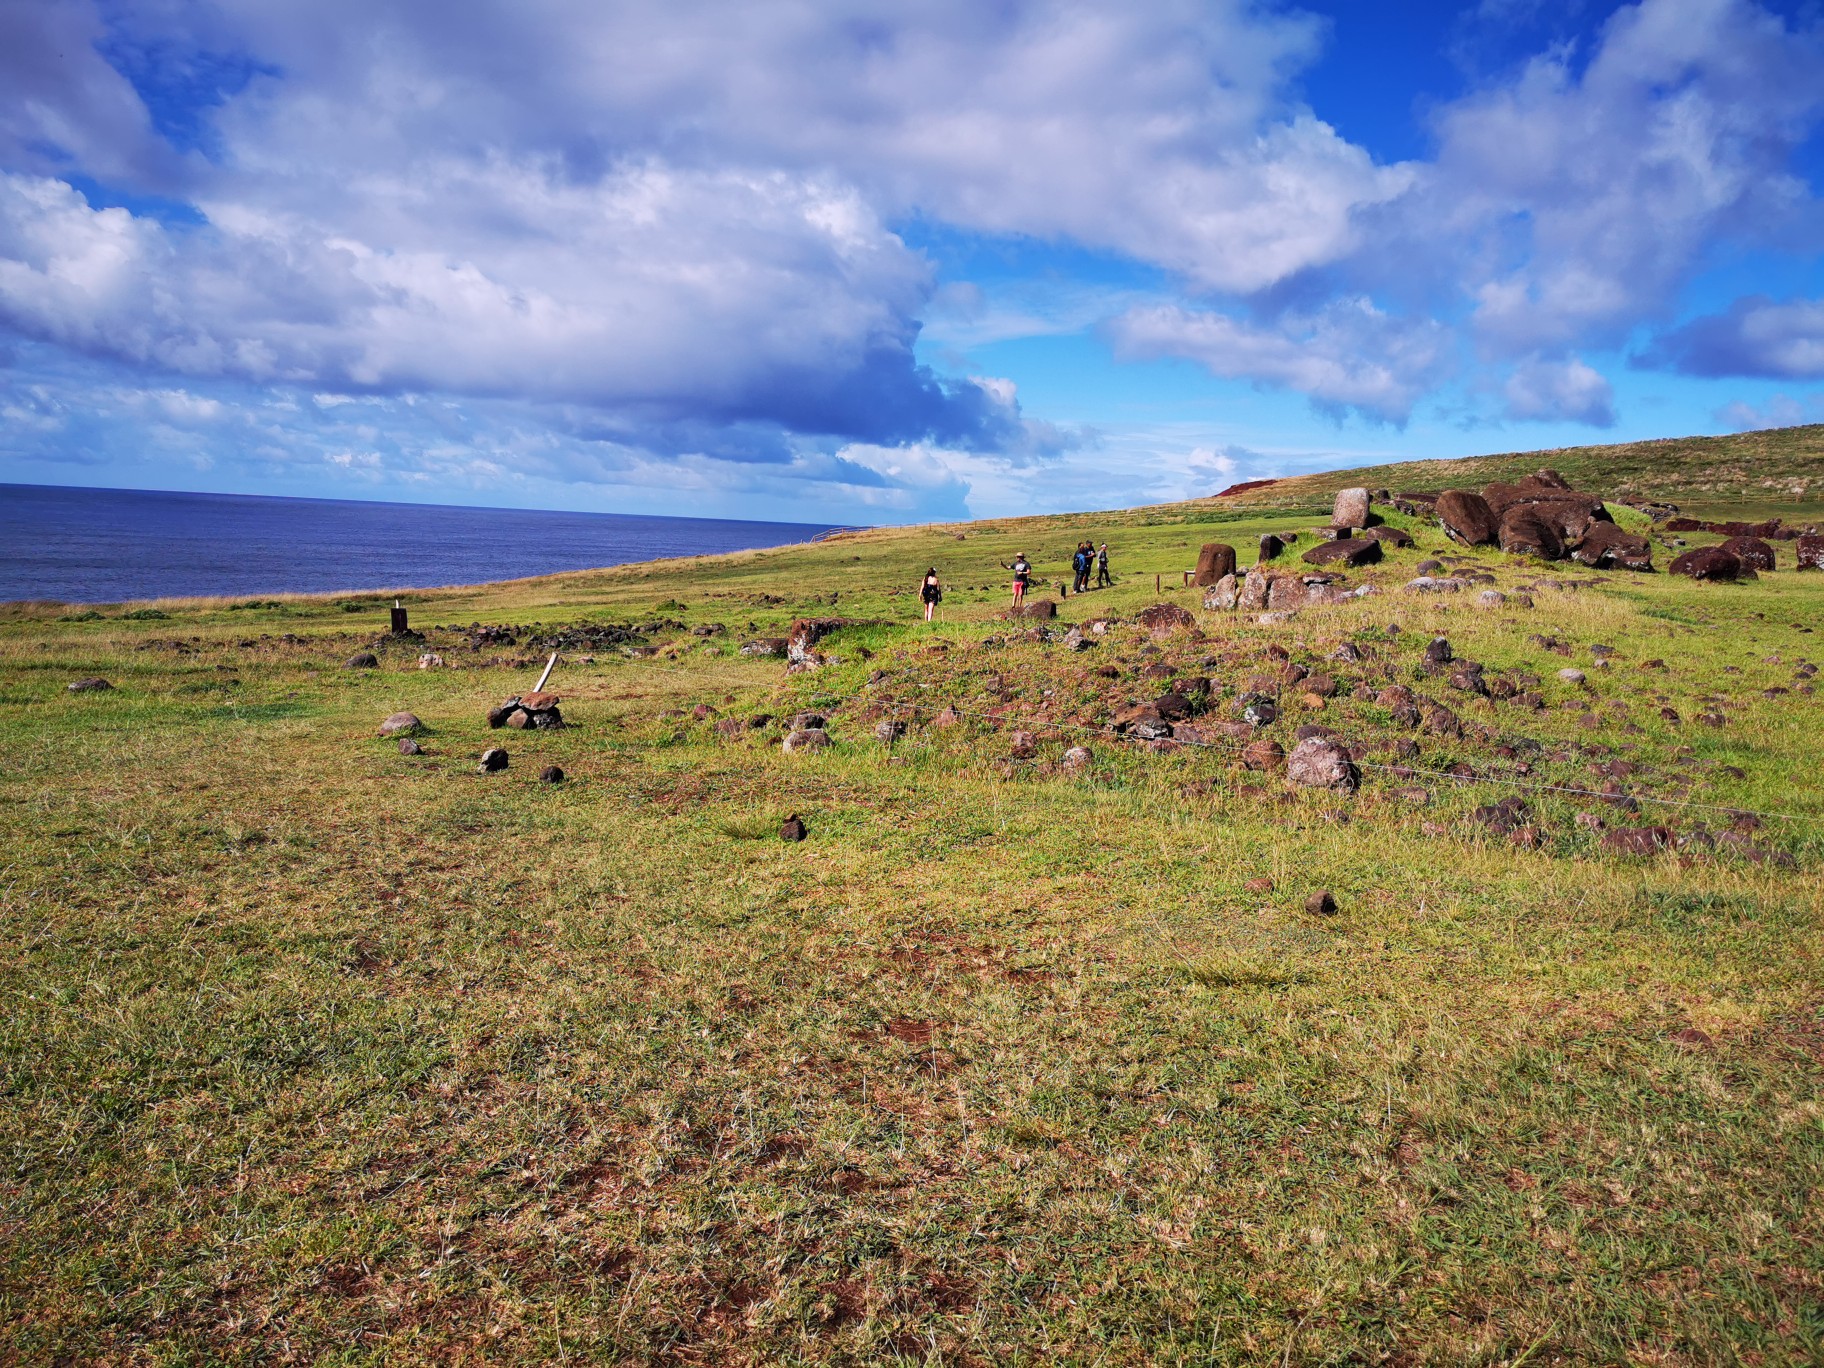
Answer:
[(549, 664), (1157, 589), (398, 618)]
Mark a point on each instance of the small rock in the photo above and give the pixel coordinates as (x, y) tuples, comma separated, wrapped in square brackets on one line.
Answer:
[(362, 660), (1321, 763), (793, 829), (407, 746), (1570, 676), (93, 684), (805, 739), (551, 774), (401, 724), (1264, 754), (1023, 745), (1638, 840), (889, 730), (430, 660), (1491, 598), (1321, 903), (1260, 885), (1077, 759), (493, 761)]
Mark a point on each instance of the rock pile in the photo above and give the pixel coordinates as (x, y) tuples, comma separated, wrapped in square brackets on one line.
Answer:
[(525, 712), (1540, 516)]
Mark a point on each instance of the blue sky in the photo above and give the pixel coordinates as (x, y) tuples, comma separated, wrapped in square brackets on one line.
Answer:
[(890, 262)]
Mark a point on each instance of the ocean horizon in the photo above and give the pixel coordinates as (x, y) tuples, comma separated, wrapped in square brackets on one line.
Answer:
[(76, 545)]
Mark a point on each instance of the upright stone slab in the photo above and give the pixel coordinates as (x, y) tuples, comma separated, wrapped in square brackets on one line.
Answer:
[(1213, 562), (1350, 509)]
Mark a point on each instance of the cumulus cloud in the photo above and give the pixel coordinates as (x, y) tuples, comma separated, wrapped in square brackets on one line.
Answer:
[(1574, 203), (1347, 356), (1557, 391), (1754, 337)]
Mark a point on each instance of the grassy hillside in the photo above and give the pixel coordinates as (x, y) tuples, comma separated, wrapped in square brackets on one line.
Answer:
[(1748, 475), (314, 1051)]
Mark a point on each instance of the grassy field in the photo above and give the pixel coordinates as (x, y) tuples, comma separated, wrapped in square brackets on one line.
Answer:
[(1778, 472), (316, 1052)]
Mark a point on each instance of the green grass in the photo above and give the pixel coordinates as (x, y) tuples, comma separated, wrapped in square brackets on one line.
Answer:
[(314, 1051), (1749, 476)]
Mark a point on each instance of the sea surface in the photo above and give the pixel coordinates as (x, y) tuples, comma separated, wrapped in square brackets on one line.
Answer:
[(108, 545)]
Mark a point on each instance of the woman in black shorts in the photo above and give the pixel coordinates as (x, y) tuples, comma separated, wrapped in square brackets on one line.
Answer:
[(931, 592)]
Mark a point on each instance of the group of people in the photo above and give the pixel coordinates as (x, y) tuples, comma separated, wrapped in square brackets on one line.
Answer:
[(1088, 557)]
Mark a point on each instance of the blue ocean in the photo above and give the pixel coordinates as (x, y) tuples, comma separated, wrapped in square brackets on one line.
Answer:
[(108, 545)]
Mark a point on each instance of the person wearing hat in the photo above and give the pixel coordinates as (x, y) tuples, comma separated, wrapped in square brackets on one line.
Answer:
[(1022, 576)]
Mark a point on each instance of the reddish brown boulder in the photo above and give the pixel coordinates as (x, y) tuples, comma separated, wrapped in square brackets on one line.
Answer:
[(1810, 552), (1162, 619), (1391, 535), (1271, 547), (1213, 562), (1466, 516), (1524, 532), (1321, 763), (1637, 840), (1043, 609), (1349, 552), (1707, 563), (1751, 552), (1263, 755), (1606, 546)]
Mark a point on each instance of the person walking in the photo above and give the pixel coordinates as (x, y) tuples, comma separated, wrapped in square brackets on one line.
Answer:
[(1079, 563), (1022, 576), (1103, 579), (931, 592)]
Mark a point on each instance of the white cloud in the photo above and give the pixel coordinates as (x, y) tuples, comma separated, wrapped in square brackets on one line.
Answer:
[(1348, 355), (1555, 391)]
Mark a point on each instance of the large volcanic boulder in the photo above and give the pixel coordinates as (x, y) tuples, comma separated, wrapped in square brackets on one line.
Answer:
[(1350, 552), (1391, 535), (801, 641), (1608, 547), (1810, 553), (1271, 547), (1466, 516), (1222, 594), (1751, 552), (1254, 591), (1350, 509), (1524, 532), (1707, 563), (1213, 562), (1043, 609)]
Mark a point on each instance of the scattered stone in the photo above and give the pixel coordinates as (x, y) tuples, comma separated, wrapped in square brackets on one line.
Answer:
[(1428, 584), (1264, 754), (1606, 546), (1260, 885), (1707, 563), (1441, 721), (1261, 712), (888, 730), (1162, 619), (407, 746), (1271, 547), (551, 774), (1637, 840), (764, 646), (430, 660), (93, 684), (949, 717), (1810, 553), (1691, 1038), (1023, 745), (1491, 598), (362, 660), (793, 829), (1392, 536), (1572, 676), (1077, 759), (1043, 609), (401, 724), (1321, 903), (805, 739), (493, 761), (1438, 652), (1215, 561), (1321, 763)]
